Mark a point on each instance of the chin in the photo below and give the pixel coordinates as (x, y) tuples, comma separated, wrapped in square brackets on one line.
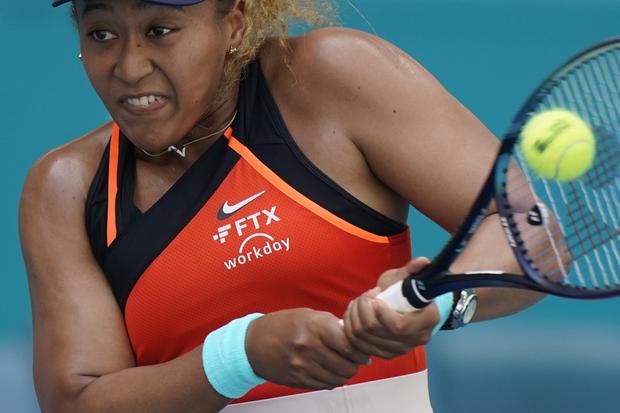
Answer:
[(149, 138)]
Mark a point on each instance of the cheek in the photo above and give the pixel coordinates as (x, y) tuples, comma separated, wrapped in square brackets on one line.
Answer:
[(199, 72)]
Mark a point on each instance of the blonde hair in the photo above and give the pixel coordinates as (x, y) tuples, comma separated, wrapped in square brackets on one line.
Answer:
[(272, 19), (266, 19)]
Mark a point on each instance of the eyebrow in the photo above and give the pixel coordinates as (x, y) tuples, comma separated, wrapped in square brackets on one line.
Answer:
[(92, 5)]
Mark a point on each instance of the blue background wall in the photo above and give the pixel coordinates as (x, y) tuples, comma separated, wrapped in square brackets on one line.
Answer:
[(561, 356)]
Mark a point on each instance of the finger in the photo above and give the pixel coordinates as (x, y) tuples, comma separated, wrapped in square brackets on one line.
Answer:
[(337, 340), (388, 327), (394, 275), (352, 328), (413, 328), (352, 323), (337, 365), (375, 333), (331, 369), (402, 323), (416, 264), (365, 341), (308, 382)]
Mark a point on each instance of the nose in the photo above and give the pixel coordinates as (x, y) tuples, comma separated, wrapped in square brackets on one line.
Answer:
[(133, 63)]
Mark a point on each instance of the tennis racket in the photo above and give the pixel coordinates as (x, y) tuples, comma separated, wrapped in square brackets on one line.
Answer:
[(564, 235)]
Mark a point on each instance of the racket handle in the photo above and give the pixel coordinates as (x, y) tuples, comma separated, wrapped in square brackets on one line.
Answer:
[(396, 296)]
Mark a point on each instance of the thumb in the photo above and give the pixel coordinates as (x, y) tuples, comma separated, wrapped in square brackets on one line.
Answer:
[(417, 264), (394, 275)]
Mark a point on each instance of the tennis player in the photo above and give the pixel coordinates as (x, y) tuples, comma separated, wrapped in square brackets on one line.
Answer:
[(201, 248)]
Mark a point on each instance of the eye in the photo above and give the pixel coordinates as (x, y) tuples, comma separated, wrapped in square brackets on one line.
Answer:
[(159, 31), (101, 35)]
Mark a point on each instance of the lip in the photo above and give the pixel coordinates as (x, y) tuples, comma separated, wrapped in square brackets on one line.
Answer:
[(138, 110)]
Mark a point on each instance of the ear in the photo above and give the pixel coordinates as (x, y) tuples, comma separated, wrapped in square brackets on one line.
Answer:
[(235, 20)]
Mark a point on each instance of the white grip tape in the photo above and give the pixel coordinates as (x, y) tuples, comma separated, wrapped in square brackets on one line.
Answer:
[(394, 298)]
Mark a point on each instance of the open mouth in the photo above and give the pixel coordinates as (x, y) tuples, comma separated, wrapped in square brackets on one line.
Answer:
[(143, 103)]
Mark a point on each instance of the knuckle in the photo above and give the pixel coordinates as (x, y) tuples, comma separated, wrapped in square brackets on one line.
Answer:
[(357, 331), (348, 351), (371, 326), (300, 344), (399, 327), (425, 337), (297, 365)]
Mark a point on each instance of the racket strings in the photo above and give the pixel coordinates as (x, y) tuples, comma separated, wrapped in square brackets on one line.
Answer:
[(605, 169), (587, 229), (580, 243)]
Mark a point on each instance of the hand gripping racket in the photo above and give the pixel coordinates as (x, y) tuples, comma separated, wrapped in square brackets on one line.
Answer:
[(564, 235)]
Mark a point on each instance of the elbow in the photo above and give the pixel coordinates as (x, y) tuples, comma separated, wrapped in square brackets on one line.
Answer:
[(64, 394)]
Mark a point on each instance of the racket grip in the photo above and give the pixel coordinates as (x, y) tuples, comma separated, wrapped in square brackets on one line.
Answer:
[(395, 296)]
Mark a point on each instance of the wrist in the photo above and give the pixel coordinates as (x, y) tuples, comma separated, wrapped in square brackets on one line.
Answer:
[(225, 360), (445, 305), (463, 309)]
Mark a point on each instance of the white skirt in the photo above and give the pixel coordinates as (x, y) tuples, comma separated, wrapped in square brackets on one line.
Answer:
[(403, 394)]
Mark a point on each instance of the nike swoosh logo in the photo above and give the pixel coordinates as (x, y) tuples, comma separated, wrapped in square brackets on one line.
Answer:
[(227, 210)]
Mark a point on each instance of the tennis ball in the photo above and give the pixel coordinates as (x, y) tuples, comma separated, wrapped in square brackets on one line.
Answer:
[(558, 144)]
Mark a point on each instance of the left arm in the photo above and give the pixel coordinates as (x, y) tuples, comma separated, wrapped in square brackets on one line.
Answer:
[(422, 144), (488, 249), (426, 146)]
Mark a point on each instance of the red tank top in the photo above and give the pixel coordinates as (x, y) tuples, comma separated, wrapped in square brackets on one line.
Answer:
[(255, 245)]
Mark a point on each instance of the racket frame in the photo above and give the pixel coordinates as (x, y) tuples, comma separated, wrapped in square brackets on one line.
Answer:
[(433, 280)]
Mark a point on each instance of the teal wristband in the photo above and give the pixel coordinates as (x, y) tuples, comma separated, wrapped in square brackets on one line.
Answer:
[(225, 361), (444, 303)]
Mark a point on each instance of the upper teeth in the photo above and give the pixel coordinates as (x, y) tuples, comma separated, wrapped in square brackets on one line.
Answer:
[(143, 101)]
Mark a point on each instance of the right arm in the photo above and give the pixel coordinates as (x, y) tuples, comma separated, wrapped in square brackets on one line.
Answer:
[(82, 357), (83, 361)]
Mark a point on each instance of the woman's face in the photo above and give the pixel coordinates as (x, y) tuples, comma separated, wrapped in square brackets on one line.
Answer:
[(157, 69)]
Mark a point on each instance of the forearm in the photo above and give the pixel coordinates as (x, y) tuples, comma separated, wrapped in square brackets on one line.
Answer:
[(489, 250), (177, 386)]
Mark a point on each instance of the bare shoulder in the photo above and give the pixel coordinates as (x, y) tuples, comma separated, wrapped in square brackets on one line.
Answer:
[(54, 194), (345, 64), (332, 87), (68, 169), (384, 117), (342, 76)]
